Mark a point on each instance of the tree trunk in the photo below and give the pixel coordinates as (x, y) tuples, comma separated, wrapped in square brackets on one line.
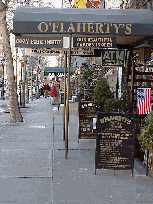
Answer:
[(15, 115)]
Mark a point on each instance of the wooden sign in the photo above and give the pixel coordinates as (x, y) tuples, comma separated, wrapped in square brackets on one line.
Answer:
[(87, 119)]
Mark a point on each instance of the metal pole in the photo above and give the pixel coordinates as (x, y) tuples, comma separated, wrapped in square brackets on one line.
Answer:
[(26, 89), (68, 94), (3, 83), (24, 81), (132, 83), (31, 82), (39, 59), (16, 65), (37, 90), (133, 149), (21, 87), (64, 95), (147, 171)]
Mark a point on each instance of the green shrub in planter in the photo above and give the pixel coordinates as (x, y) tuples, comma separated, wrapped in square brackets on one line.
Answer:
[(86, 78), (102, 90), (109, 104), (80, 93), (146, 136)]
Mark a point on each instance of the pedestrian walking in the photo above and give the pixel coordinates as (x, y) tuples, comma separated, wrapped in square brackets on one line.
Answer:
[(46, 89), (53, 93)]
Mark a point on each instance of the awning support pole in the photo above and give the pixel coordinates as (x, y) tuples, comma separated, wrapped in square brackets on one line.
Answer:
[(64, 95), (68, 95)]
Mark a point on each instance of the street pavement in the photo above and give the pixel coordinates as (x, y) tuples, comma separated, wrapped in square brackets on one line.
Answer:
[(33, 168)]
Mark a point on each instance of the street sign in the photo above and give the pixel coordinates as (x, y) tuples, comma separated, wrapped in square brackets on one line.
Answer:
[(38, 42), (112, 57), (115, 141), (94, 42), (57, 51), (81, 51), (43, 51)]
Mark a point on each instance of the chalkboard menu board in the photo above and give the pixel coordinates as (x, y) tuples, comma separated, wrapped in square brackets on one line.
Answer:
[(114, 141), (87, 119)]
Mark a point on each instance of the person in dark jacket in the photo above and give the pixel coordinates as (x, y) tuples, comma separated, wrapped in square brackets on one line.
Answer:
[(46, 89)]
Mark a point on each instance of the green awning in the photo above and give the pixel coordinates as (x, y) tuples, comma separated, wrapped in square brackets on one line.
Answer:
[(56, 70)]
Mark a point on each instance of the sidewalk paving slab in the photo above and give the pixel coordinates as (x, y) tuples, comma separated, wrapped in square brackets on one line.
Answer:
[(25, 190), (20, 163)]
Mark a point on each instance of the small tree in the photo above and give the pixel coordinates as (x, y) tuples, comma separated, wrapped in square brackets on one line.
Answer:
[(122, 104), (86, 78), (146, 137), (109, 104), (102, 90), (80, 93)]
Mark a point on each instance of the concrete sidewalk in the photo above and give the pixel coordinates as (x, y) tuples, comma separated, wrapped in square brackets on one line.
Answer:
[(33, 168)]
